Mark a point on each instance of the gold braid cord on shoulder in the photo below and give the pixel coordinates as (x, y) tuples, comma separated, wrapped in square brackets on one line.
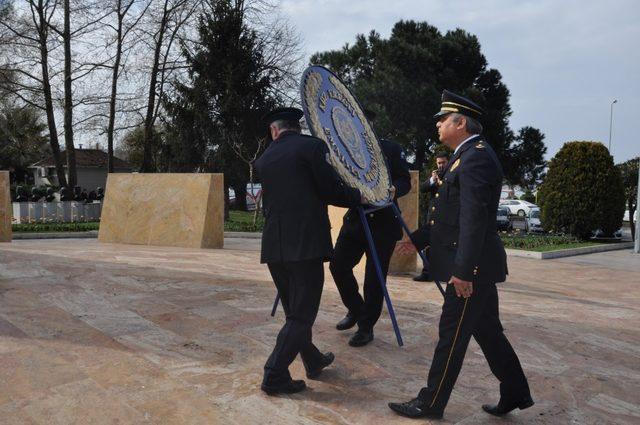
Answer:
[(376, 175)]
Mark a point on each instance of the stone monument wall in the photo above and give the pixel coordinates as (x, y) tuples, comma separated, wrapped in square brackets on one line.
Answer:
[(5, 208), (182, 210)]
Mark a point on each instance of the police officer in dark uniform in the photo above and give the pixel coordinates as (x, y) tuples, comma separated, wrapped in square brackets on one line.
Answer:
[(467, 252), (431, 187), (297, 182), (352, 244)]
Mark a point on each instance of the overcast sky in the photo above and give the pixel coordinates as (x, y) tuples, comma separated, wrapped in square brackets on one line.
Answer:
[(563, 61)]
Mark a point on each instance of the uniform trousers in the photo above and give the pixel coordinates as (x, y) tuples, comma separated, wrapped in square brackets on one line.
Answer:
[(350, 246), (462, 318), (299, 285)]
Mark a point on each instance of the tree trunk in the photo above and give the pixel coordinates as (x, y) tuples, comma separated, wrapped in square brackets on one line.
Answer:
[(114, 91), (147, 165), (68, 101), (241, 196), (46, 88)]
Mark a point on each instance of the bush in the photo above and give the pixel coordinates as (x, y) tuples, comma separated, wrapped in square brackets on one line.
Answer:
[(55, 227), (582, 191), (519, 241)]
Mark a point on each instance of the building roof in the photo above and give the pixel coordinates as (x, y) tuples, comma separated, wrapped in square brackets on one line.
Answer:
[(86, 158)]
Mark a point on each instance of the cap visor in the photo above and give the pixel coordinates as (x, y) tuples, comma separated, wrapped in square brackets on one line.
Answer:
[(441, 114)]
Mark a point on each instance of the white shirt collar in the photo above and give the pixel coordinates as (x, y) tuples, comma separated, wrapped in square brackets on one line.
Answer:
[(464, 141)]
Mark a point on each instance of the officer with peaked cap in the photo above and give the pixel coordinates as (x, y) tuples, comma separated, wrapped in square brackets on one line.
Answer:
[(298, 183), (467, 252)]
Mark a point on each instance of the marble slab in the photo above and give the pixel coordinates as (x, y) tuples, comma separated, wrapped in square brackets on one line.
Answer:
[(5, 208), (181, 210)]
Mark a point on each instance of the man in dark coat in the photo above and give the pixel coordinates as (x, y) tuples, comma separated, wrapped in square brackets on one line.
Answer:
[(431, 187), (297, 183), (352, 244), (467, 252)]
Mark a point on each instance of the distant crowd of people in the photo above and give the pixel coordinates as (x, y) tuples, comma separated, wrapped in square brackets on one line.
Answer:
[(78, 194)]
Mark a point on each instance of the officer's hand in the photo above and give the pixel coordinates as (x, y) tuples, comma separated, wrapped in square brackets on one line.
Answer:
[(434, 175), (392, 192), (463, 288), (406, 247)]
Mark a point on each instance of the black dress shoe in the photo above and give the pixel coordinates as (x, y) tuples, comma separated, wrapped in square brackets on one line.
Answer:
[(289, 387), (423, 277), (327, 359), (348, 322), (504, 407), (415, 408), (361, 338)]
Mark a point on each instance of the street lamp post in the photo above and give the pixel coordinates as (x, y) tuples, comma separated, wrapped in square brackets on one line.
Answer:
[(611, 122), (637, 241)]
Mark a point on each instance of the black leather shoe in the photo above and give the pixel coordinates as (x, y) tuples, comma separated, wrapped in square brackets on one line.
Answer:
[(504, 407), (361, 338), (327, 359), (423, 277), (348, 322), (290, 387), (415, 408)]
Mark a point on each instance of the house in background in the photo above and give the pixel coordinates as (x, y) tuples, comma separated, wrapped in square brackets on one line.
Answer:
[(91, 167)]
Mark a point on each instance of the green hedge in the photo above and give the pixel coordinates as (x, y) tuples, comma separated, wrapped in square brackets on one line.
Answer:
[(55, 227), (582, 191)]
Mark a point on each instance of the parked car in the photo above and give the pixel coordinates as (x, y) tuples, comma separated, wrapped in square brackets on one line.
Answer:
[(254, 194), (598, 233), (533, 223), (518, 207), (626, 216), (502, 219)]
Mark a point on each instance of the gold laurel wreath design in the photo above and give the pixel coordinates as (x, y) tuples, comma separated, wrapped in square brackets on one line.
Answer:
[(377, 169)]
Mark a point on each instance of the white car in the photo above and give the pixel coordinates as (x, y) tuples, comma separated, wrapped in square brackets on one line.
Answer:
[(518, 207), (626, 216)]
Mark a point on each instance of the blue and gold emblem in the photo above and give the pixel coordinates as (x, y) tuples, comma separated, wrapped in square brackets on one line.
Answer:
[(335, 116)]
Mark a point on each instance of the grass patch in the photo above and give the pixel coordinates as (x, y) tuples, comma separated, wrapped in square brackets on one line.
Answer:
[(239, 221), (242, 221), (55, 227), (544, 243)]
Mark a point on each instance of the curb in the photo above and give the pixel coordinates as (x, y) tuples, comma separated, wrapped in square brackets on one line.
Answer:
[(243, 235), (94, 234), (561, 253)]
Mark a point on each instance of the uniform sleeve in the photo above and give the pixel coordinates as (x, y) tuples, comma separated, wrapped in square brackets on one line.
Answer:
[(331, 187), (421, 237), (477, 176), (400, 172)]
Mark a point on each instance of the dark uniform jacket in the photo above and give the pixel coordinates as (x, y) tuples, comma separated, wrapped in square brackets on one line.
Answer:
[(461, 225), (297, 184), (385, 218)]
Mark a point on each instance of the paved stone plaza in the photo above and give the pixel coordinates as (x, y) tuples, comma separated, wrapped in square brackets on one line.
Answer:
[(96, 333)]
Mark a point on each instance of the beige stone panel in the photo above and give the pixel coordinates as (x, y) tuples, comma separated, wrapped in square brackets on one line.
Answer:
[(182, 210), (402, 263), (5, 208), (214, 232), (336, 215)]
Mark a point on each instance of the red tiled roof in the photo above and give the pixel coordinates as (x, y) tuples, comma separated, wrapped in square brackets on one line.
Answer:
[(93, 158)]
